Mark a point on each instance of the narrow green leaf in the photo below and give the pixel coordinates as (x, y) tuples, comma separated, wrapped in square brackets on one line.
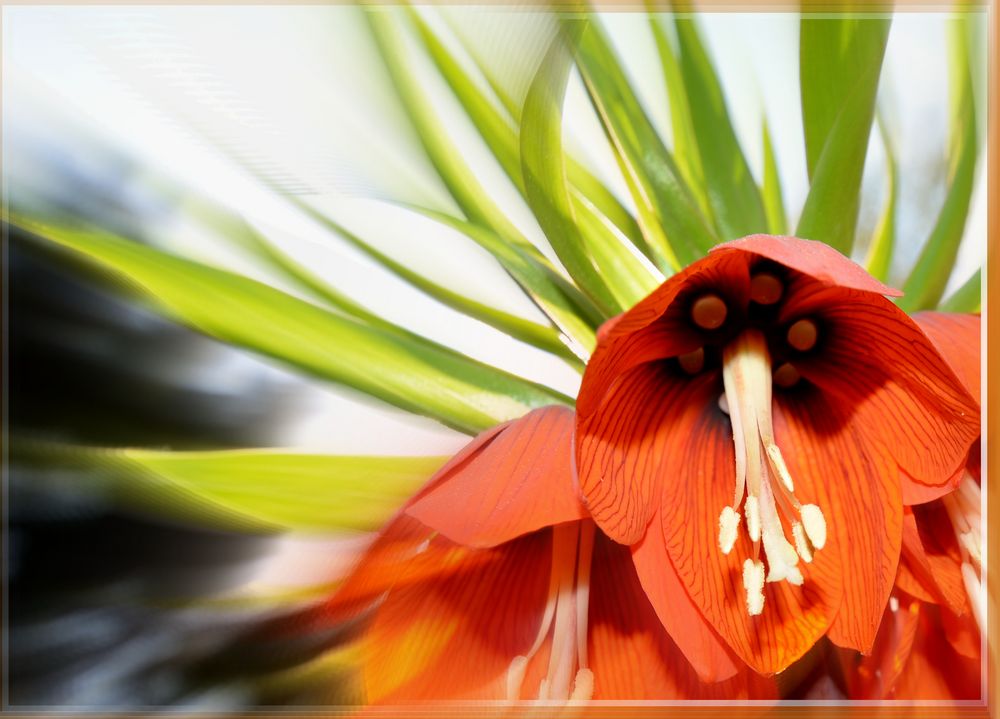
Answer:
[(968, 297), (557, 298), (545, 173), (685, 146), (414, 374), (929, 277), (774, 205), (246, 490), (732, 192), (466, 190), (840, 65), (884, 239), (669, 217), (500, 133), (541, 336)]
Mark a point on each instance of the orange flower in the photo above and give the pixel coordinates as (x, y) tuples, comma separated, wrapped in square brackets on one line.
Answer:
[(493, 583), (752, 430), (929, 644)]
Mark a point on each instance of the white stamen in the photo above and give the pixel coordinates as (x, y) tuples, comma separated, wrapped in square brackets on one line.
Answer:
[(815, 525), (781, 556), (723, 404), (515, 677), (729, 523), (583, 686), (778, 464), (971, 543), (893, 604), (753, 582), (794, 576), (801, 543), (543, 689), (752, 508)]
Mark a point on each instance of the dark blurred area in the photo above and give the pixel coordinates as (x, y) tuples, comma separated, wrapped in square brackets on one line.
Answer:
[(105, 605)]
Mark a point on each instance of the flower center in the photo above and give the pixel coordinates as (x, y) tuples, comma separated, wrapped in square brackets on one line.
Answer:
[(964, 508), (746, 373), (565, 618)]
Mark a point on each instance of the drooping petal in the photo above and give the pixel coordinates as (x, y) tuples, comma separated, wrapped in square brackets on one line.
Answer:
[(793, 618), (931, 558), (622, 451), (510, 481), (632, 657), (859, 494), (958, 338), (934, 669), (876, 675), (904, 395), (708, 655), (456, 636)]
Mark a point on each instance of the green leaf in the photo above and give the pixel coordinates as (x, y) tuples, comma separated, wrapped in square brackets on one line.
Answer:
[(732, 193), (685, 145), (968, 297), (840, 65), (248, 490), (541, 336), (884, 239), (774, 205), (545, 172), (671, 222), (500, 133), (929, 277), (402, 369), (556, 297)]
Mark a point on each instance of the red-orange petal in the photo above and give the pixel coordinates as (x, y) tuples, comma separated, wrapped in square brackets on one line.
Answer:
[(859, 494), (932, 556), (904, 396), (934, 670), (815, 259), (512, 480), (622, 456), (876, 675), (708, 655), (455, 637), (793, 617), (631, 655), (958, 338)]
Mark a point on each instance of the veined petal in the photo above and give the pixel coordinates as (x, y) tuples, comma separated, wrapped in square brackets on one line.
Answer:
[(510, 481), (815, 259), (794, 617), (708, 654), (632, 657), (876, 675), (931, 558), (455, 637), (904, 395), (958, 338), (622, 451), (860, 496), (660, 325)]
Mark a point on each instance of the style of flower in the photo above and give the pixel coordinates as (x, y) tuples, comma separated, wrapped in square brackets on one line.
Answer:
[(493, 583), (929, 643), (752, 430)]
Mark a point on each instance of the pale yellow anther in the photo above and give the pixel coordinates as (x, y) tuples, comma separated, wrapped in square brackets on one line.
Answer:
[(583, 686), (752, 509), (692, 362), (729, 523), (802, 335), (794, 577), (801, 542), (815, 525), (765, 288), (515, 677), (893, 604), (709, 312), (753, 583)]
